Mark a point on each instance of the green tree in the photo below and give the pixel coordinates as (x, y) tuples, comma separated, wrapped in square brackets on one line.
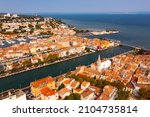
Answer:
[(61, 86), (102, 83), (0, 26), (118, 84), (38, 26), (68, 74), (74, 96), (144, 93), (30, 26), (31, 30), (87, 49), (122, 95)]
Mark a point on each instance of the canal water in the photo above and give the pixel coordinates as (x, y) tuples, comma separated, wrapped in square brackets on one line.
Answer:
[(23, 79)]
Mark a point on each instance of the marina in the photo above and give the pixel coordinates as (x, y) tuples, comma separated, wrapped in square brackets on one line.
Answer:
[(10, 42)]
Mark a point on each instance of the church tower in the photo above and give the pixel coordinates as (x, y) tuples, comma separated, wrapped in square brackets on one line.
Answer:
[(99, 63)]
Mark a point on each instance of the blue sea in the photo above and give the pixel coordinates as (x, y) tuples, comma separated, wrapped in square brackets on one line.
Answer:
[(134, 28)]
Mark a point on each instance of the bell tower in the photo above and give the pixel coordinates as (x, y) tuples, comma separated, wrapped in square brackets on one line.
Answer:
[(99, 63)]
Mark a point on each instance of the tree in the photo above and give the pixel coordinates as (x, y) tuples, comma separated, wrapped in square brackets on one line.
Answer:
[(31, 30), (102, 83), (68, 74), (93, 81), (30, 26), (61, 86), (52, 57), (15, 31), (122, 95), (74, 96), (87, 49), (3, 31), (0, 26), (144, 93), (38, 26), (118, 84)]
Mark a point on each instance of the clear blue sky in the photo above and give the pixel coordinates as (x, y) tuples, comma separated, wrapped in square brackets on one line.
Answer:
[(74, 6)]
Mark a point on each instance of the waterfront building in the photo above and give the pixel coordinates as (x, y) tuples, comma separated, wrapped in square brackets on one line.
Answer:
[(86, 71), (101, 65), (34, 60), (13, 95), (36, 86)]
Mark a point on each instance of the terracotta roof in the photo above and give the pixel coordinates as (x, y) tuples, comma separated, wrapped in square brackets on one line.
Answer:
[(47, 92), (41, 81), (103, 97), (108, 89), (92, 71), (75, 84), (61, 79), (68, 81), (86, 93), (95, 89), (84, 83), (63, 91), (78, 90)]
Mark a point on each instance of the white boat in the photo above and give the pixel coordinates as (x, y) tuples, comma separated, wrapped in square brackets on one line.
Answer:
[(13, 41), (1, 43)]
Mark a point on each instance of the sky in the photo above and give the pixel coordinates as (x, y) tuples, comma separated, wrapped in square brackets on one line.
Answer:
[(74, 6)]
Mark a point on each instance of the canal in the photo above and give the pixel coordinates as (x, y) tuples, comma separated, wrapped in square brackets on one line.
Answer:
[(23, 79)]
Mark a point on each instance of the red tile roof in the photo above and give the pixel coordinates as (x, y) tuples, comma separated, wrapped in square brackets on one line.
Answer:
[(47, 92), (41, 81)]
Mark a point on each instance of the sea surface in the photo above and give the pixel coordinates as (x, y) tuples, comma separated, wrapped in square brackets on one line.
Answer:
[(134, 28)]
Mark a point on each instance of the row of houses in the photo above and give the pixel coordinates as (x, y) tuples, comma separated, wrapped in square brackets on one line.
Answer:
[(48, 89)]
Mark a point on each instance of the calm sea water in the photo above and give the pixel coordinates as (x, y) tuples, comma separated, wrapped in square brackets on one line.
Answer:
[(134, 28)]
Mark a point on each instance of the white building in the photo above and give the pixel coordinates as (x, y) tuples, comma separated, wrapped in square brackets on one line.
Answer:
[(99, 65), (7, 15), (13, 95), (14, 15)]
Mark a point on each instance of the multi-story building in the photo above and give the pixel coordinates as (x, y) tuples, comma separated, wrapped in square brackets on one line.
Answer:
[(36, 86)]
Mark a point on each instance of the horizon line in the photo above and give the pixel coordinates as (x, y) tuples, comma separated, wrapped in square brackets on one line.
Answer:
[(138, 12)]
